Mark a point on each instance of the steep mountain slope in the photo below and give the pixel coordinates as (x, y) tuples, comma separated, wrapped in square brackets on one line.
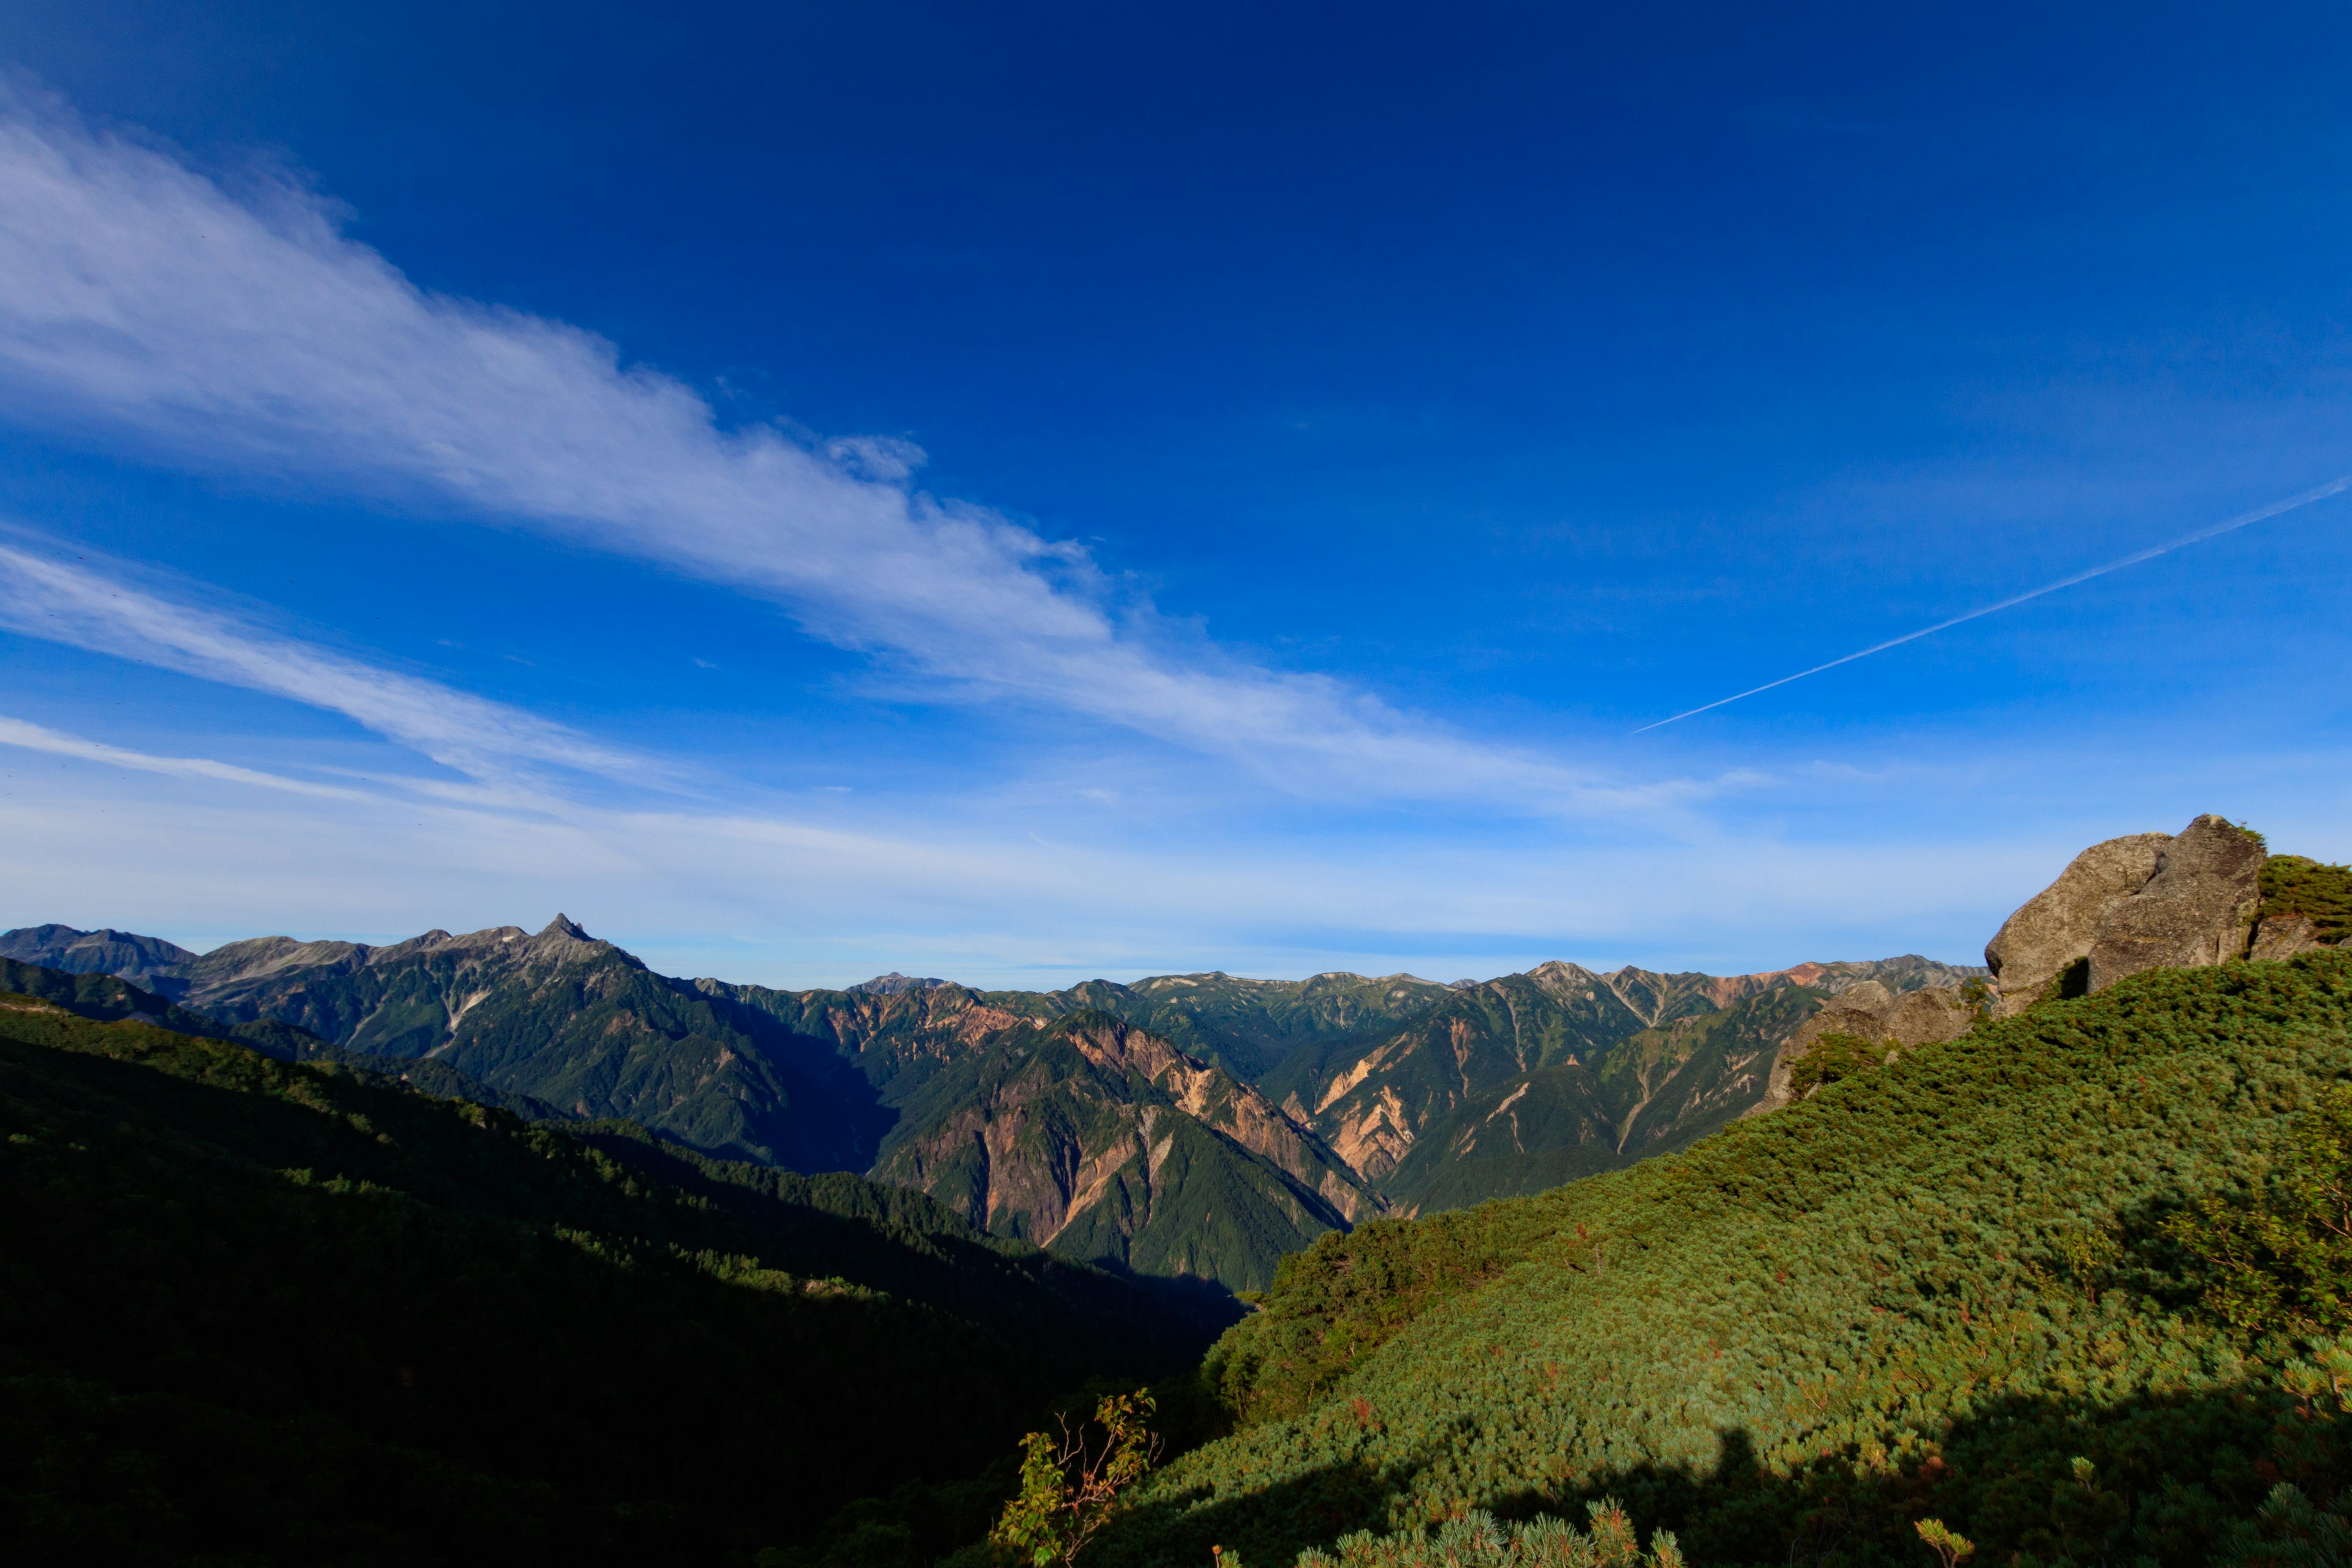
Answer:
[(1656, 1091), (1393, 1082), (1975, 1284), (108, 998), (1252, 1026), (1105, 1142), (272, 1311), (1247, 1027), (568, 1020), (1370, 1098), (813, 1080), (1373, 1097)]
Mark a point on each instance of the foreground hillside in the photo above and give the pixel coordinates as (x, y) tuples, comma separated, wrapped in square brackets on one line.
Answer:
[(252, 1310), (1956, 1286)]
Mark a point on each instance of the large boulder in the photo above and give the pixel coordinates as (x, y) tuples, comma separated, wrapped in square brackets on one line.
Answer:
[(2053, 930), (2199, 907)]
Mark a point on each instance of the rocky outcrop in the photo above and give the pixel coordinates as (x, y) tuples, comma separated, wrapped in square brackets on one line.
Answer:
[(1926, 1016), (2197, 909), (2283, 936), (2054, 929), (2152, 900)]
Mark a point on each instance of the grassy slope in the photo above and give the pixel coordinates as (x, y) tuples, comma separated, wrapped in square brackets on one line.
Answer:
[(1928, 1290), (252, 1307)]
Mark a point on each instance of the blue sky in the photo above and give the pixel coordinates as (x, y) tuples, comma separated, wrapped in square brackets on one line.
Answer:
[(1027, 493)]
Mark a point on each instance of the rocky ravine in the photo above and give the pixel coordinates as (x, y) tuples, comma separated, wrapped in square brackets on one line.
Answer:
[(1103, 1139)]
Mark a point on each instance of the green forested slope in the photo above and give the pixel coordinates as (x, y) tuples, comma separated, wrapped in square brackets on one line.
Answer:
[(1657, 1091), (1252, 1026), (256, 1311), (1944, 1289), (567, 1019), (107, 997)]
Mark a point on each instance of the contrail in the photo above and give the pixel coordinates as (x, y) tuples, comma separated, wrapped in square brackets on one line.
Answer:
[(2332, 487)]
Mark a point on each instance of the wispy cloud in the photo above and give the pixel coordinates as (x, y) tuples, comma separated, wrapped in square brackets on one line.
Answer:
[(142, 301), (986, 903), (46, 597), (58, 744)]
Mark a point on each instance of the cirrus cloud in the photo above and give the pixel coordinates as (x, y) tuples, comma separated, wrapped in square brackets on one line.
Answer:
[(142, 302)]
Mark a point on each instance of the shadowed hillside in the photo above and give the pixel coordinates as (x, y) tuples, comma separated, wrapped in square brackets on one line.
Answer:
[(288, 1310)]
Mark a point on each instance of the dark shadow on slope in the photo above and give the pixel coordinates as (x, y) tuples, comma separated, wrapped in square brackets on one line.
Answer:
[(231, 1279), (906, 1242), (2153, 1476), (2034, 1482), (1268, 1527)]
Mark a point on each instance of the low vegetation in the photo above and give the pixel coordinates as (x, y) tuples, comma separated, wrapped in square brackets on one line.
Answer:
[(2296, 885), (2066, 1288)]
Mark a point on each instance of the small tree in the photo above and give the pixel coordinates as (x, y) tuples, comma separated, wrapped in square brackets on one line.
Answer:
[(1836, 1055), (1949, 1544), (1070, 1487)]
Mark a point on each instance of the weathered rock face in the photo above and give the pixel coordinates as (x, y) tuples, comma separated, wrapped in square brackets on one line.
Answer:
[(1924, 1018), (2283, 936), (2197, 909), (2055, 928), (1927, 1018)]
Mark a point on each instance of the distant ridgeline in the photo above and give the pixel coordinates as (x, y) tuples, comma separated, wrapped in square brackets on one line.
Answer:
[(1193, 1125)]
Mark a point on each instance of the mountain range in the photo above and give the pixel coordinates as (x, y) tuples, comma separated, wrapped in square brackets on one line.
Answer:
[(2050, 1269), (1185, 1125)]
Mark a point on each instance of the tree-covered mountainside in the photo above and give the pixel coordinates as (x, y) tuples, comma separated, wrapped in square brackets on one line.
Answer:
[(565, 1019), (1247, 1027), (1586, 1055), (1251, 1027), (108, 998), (261, 1312), (144, 961), (1103, 1141), (1999, 1282), (1655, 1091)]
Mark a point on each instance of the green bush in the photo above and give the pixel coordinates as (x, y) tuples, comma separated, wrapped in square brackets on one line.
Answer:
[(2294, 885), (1837, 1055), (1480, 1541)]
